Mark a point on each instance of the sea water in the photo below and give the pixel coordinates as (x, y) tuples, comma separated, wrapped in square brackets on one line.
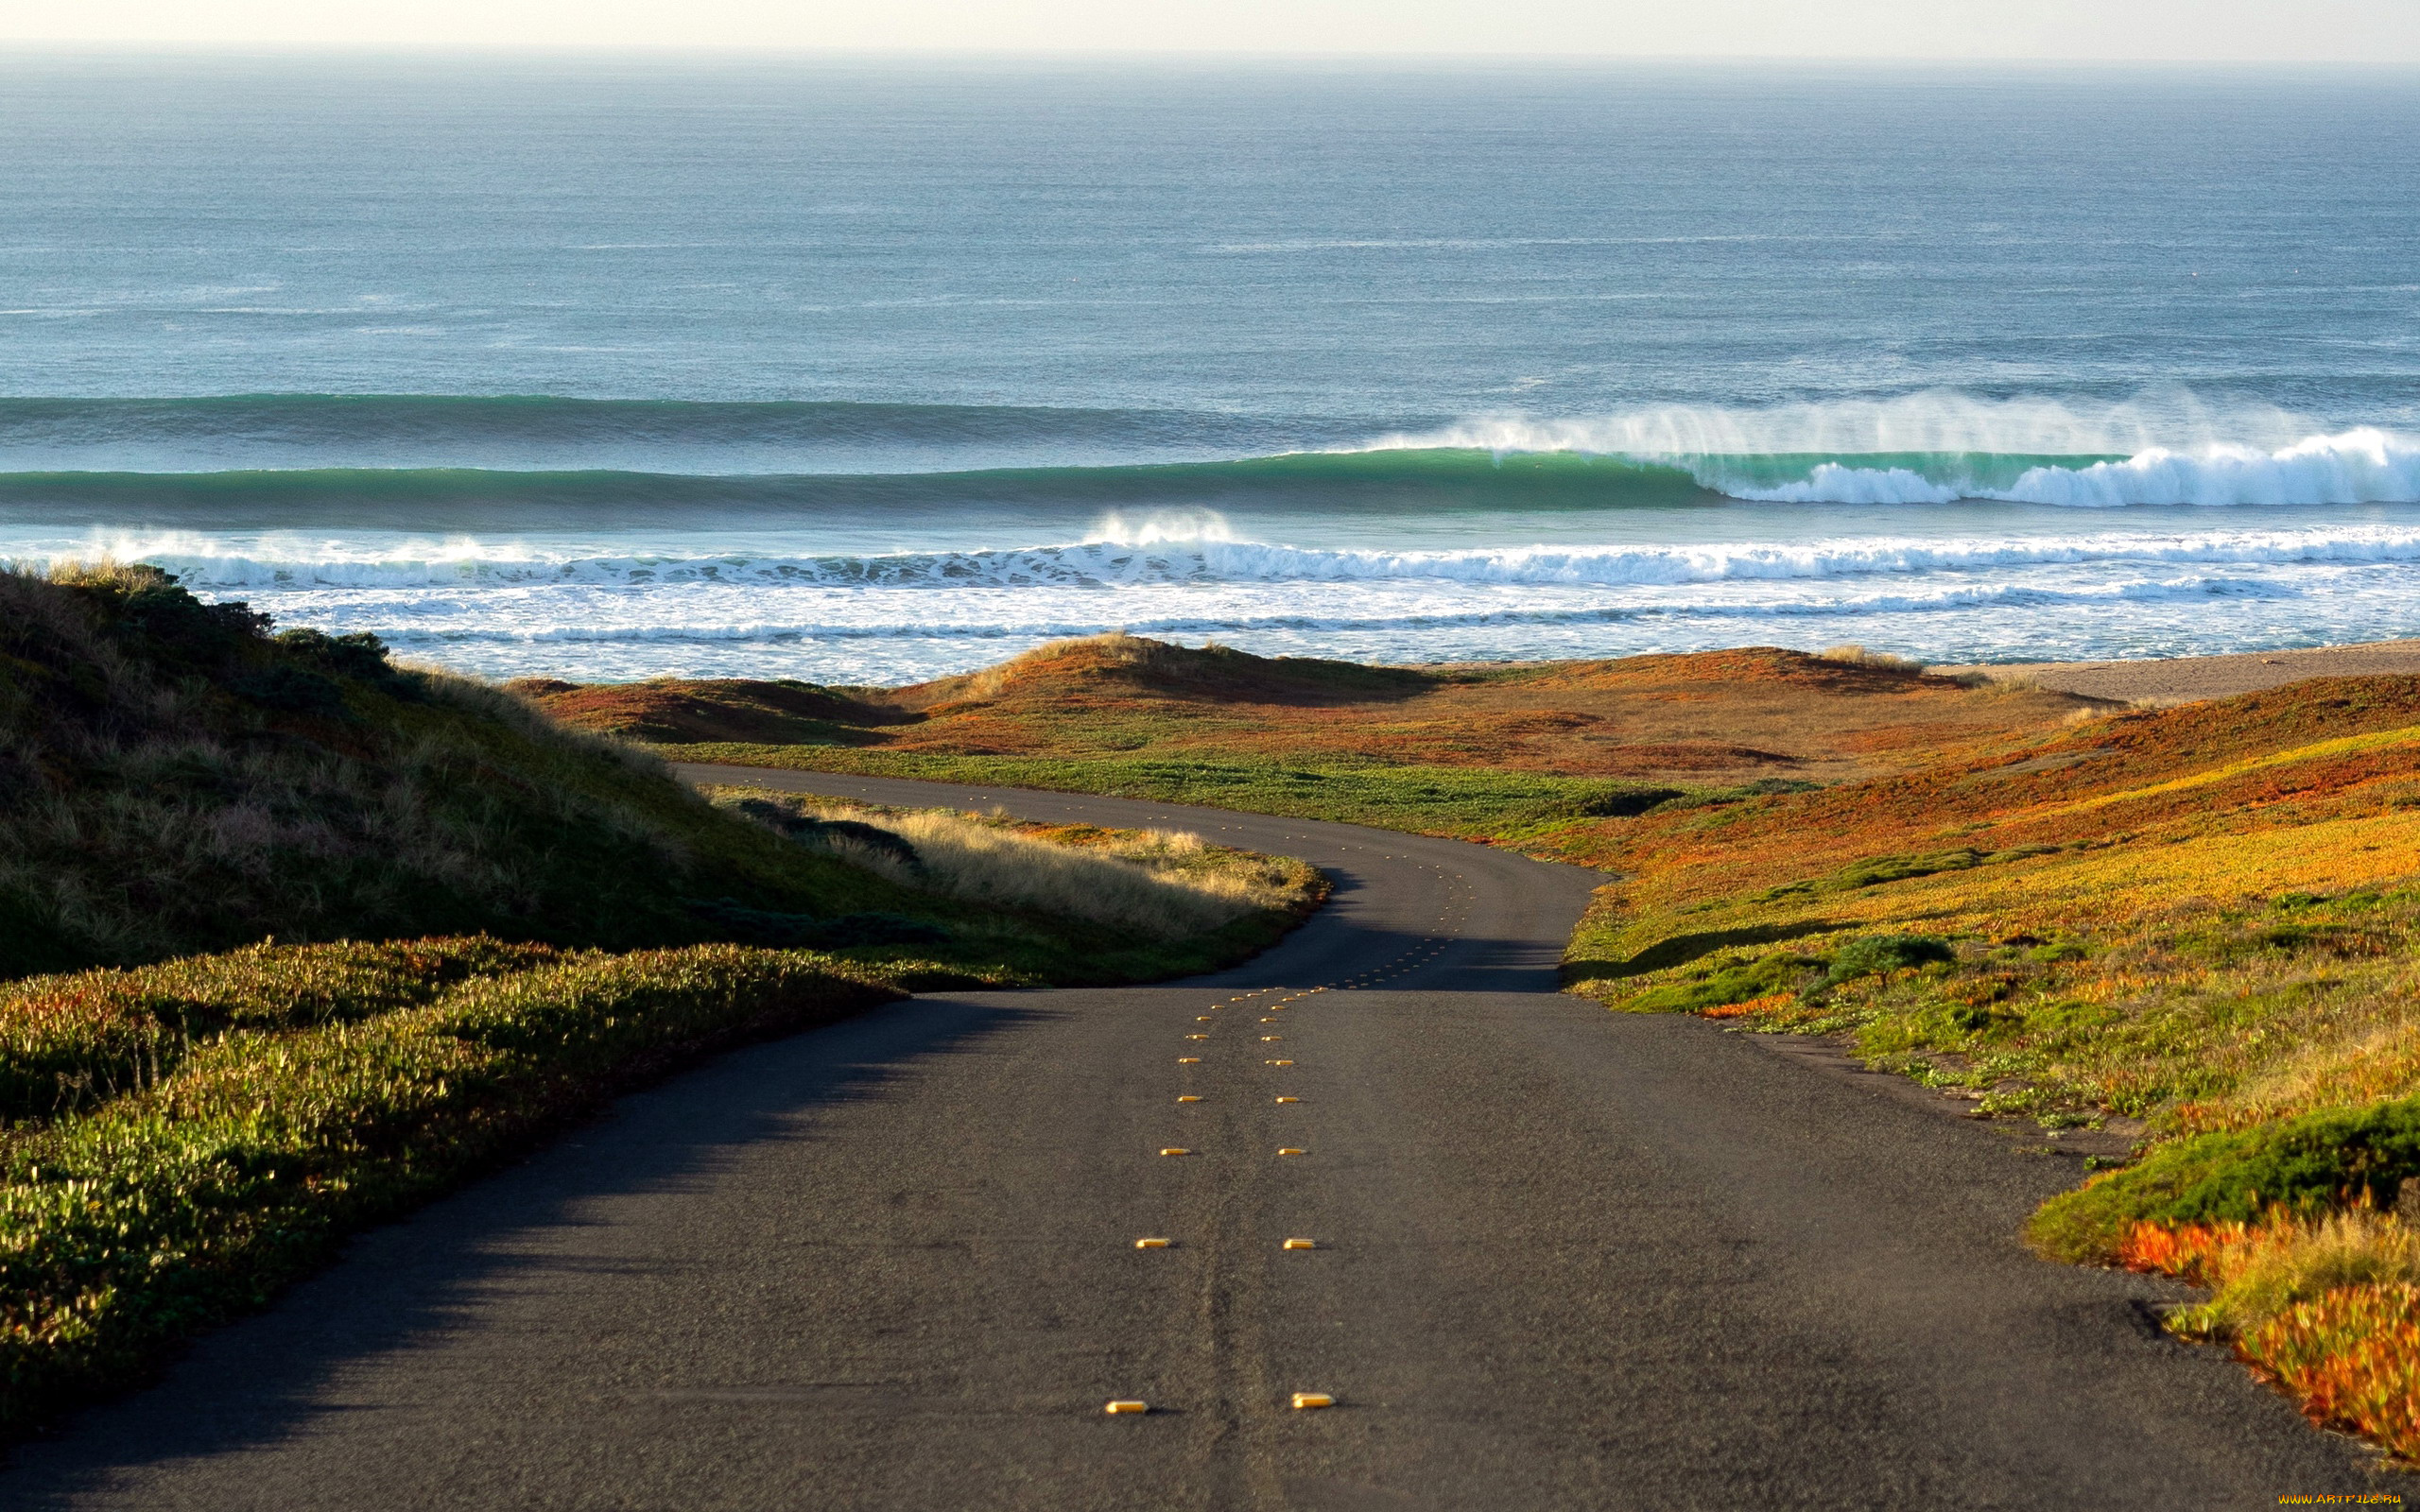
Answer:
[(864, 369)]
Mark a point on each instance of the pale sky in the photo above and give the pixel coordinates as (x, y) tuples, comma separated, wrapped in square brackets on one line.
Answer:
[(2134, 30)]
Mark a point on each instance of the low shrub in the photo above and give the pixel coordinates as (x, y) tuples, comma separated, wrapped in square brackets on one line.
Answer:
[(1784, 972), (130, 1229), (2333, 1158), (1149, 881), (1876, 954), (1854, 654)]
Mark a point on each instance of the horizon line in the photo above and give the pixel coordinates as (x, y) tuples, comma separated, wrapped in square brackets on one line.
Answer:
[(732, 52)]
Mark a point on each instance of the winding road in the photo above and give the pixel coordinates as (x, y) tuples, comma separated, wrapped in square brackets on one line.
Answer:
[(1562, 1259)]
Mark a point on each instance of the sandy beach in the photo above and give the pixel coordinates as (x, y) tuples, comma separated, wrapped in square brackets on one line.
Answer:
[(2157, 681)]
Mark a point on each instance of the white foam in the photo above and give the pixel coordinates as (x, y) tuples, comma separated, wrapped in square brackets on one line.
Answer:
[(998, 620), (2365, 466), (1158, 554)]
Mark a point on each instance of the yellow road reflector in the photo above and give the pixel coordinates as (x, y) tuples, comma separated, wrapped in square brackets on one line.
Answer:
[(1289, 1099), (1189, 1061), (1118, 1408), (1297, 1244), (1173, 1150), (1269, 1020), (1276, 1062), (1196, 1037), (1270, 1039), (1288, 1150), (1202, 1018), (1302, 1400), (1188, 1097), (1151, 1244)]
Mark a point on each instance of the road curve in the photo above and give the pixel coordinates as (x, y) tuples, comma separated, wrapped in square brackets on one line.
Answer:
[(1563, 1259)]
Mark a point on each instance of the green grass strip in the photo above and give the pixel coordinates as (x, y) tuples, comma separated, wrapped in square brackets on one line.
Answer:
[(1465, 801)]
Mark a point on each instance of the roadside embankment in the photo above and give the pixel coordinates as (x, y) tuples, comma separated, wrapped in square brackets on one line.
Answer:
[(219, 1126), (2200, 924)]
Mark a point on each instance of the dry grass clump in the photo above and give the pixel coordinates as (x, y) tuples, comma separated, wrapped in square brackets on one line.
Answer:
[(1164, 882), (2366, 1049), (1143, 889), (1990, 682), (532, 723), (1851, 654)]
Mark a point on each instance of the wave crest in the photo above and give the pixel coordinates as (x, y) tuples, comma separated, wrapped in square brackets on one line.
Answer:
[(2366, 465)]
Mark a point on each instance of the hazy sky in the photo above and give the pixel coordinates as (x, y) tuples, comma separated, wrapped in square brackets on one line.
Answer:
[(2243, 30)]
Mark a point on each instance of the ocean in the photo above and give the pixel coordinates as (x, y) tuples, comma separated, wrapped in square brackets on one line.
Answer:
[(869, 370)]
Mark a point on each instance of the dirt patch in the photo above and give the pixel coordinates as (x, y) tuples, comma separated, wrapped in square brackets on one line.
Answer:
[(2185, 680), (2117, 1138)]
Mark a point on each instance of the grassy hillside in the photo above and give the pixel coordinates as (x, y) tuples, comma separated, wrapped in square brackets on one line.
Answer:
[(175, 778), (1525, 753), (2125, 903)]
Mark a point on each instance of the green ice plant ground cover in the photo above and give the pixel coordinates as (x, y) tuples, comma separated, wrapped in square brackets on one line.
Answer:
[(316, 1090)]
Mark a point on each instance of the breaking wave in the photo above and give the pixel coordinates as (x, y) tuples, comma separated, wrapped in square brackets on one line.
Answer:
[(2365, 466), (1205, 556)]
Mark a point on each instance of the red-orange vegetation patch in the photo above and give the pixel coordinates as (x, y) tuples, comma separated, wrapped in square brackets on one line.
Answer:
[(1736, 1010), (2190, 1251), (1769, 664), (1932, 736), (2350, 1359), (2201, 735)]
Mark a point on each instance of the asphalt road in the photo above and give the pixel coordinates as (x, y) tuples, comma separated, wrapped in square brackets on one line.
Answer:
[(1565, 1259)]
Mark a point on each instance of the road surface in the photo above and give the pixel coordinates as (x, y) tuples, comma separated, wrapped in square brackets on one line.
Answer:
[(1562, 1258)]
